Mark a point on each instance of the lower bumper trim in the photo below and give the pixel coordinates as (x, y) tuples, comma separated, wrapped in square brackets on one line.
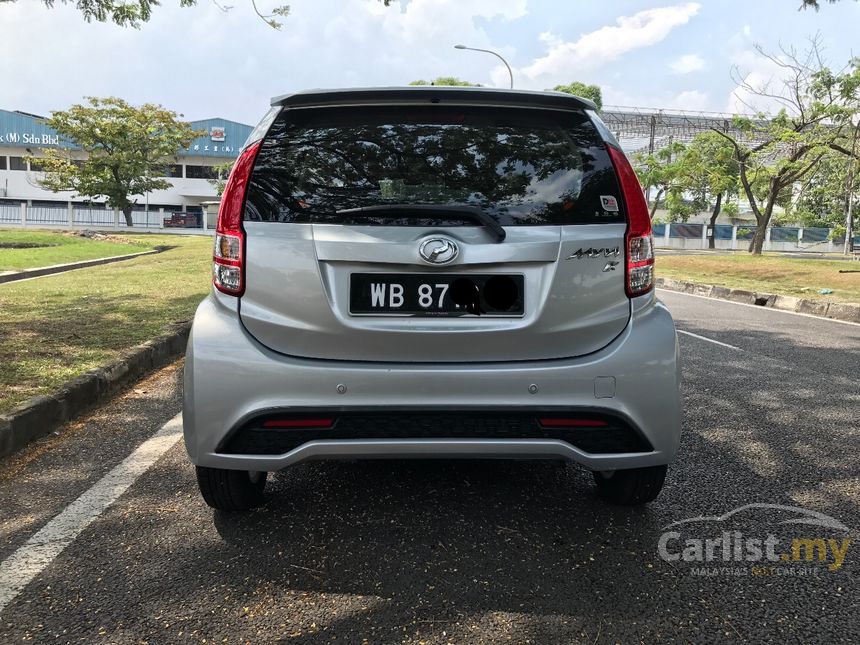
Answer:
[(590, 431), (434, 449)]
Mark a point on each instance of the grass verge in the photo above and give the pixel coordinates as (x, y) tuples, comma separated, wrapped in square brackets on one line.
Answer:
[(61, 248), (767, 273), (57, 327)]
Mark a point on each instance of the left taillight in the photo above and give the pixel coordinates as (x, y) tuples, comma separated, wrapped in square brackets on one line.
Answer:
[(639, 244), (228, 258)]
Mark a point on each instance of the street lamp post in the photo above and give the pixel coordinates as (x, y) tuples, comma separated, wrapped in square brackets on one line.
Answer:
[(852, 170), (488, 51)]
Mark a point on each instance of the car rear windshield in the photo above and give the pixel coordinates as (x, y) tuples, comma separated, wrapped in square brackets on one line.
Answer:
[(521, 166)]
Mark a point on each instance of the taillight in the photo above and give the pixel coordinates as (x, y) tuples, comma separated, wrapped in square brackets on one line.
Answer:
[(228, 258), (639, 245)]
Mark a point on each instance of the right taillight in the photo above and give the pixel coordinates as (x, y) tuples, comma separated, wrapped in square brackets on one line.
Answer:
[(228, 258), (639, 245)]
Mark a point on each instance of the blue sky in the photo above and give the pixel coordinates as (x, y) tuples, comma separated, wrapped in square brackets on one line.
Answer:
[(203, 62)]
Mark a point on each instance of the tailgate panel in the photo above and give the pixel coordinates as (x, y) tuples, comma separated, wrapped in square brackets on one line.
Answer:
[(297, 303)]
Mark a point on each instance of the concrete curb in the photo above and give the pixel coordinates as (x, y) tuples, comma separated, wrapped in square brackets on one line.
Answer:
[(822, 308), (12, 276), (39, 416)]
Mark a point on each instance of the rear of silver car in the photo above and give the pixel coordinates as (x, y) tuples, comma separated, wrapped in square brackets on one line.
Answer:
[(432, 272)]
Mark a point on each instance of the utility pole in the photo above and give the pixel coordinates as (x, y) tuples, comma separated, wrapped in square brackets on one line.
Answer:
[(849, 218), (651, 137)]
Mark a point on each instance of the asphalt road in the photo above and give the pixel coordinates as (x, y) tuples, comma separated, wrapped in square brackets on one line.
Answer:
[(455, 551)]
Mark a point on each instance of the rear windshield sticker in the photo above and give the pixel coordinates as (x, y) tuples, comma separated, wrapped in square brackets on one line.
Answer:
[(609, 203)]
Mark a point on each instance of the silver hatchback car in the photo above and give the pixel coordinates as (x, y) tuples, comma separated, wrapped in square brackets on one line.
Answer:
[(432, 272)]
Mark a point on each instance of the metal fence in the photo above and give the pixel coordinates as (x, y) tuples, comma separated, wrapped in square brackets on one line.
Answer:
[(723, 231), (783, 234), (728, 236), (86, 216), (46, 215), (76, 216), (813, 235), (98, 216), (678, 235), (10, 213)]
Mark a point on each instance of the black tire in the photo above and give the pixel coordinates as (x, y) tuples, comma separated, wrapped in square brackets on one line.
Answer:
[(231, 490), (631, 487)]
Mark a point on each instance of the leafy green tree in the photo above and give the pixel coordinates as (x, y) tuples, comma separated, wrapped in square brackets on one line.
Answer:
[(707, 169), (822, 199), (815, 4), (129, 149), (451, 81), (661, 170), (776, 152), (222, 172), (590, 92), (131, 13)]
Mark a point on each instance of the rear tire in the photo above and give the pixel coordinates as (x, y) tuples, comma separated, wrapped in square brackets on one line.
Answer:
[(631, 487), (231, 490)]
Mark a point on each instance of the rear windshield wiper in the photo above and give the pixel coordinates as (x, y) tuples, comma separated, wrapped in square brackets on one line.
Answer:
[(430, 210)]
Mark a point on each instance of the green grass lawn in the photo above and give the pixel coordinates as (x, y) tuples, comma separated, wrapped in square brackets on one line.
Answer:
[(767, 273), (62, 248), (57, 327)]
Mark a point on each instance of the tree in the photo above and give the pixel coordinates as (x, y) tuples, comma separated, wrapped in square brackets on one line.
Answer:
[(590, 92), (815, 4), (452, 81), (129, 149), (775, 153), (222, 172), (822, 200), (131, 13), (707, 169), (660, 170)]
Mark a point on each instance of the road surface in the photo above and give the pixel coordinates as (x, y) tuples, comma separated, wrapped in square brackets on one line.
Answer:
[(103, 537)]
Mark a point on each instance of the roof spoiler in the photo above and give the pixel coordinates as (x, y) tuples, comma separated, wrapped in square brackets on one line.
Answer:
[(434, 94)]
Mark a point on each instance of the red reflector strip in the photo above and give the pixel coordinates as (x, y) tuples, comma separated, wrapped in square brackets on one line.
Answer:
[(227, 262), (298, 423), (571, 423)]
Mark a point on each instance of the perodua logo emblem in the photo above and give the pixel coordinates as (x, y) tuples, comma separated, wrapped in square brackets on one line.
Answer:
[(438, 250)]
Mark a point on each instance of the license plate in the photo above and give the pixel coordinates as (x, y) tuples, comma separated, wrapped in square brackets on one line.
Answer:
[(422, 294)]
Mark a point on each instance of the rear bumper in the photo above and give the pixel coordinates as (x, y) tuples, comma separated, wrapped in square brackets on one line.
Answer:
[(230, 378)]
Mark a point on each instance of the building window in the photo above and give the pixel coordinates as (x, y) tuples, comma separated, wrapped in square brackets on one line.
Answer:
[(36, 166), (17, 163), (3, 163), (200, 172), (171, 170)]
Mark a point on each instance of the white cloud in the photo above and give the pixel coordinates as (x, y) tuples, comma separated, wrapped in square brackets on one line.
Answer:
[(565, 59), (203, 62), (756, 72), (687, 64), (689, 100)]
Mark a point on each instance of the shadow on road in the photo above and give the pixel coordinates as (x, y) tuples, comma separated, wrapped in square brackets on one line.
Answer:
[(479, 551)]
